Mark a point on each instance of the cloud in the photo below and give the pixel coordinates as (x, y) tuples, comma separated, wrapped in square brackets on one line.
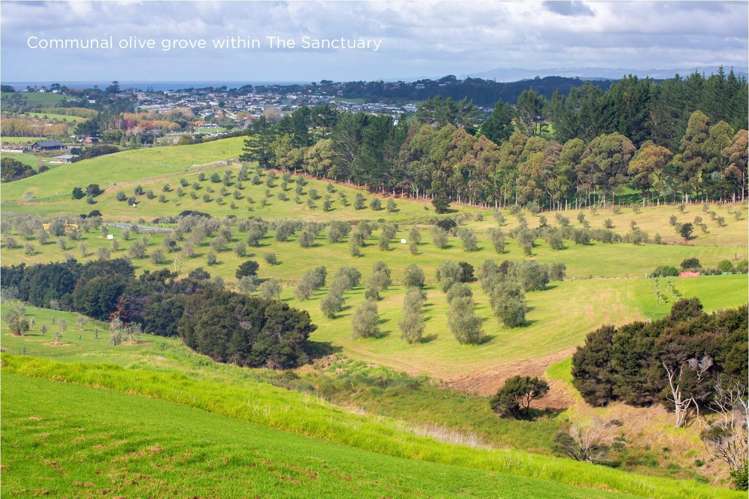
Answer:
[(569, 8), (419, 38)]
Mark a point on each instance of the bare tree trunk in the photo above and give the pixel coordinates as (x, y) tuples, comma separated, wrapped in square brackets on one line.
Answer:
[(681, 403)]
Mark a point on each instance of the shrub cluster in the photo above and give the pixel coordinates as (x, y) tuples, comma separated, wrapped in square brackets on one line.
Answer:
[(694, 265), (631, 363), (227, 326)]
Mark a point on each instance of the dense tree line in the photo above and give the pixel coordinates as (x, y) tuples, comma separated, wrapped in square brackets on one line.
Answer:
[(227, 326), (481, 91), (667, 140), (680, 361)]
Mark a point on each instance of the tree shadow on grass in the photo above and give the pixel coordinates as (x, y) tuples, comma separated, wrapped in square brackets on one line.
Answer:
[(548, 412), (319, 349), (487, 338)]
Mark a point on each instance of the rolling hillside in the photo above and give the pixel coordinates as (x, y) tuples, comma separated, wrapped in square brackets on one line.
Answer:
[(269, 409), (383, 387)]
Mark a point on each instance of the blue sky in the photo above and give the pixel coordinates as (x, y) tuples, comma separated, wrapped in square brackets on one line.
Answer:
[(419, 38)]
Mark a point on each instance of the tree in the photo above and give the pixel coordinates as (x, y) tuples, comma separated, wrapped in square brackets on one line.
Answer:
[(365, 320), (681, 400), (247, 268), (337, 231), (529, 108), (414, 277), (332, 303), (16, 319), (674, 360), (735, 156), (463, 322), (498, 126), (443, 111), (97, 297), (648, 168), (440, 191), (498, 240), (468, 237), (270, 289), (258, 145), (411, 323), (439, 237), (312, 280), (515, 397), (603, 165), (307, 238), (686, 231), (727, 437), (582, 443), (449, 273), (508, 303), (692, 162), (318, 159), (592, 373)]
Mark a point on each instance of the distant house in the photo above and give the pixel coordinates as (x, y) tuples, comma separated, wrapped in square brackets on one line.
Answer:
[(689, 273), (47, 146)]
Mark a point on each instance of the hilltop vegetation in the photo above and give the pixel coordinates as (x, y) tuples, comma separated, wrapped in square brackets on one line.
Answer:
[(638, 140)]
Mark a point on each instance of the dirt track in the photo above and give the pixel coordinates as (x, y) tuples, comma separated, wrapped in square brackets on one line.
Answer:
[(488, 381)]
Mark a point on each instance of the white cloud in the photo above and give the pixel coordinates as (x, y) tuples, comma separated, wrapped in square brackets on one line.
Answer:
[(419, 37)]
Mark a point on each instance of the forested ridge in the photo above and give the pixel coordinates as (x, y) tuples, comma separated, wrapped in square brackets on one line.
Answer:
[(660, 140), (480, 91)]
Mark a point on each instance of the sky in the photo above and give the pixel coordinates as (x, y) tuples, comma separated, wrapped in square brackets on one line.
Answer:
[(416, 38)]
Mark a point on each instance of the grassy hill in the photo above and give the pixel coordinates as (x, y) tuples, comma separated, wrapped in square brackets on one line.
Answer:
[(71, 440), (383, 456), (153, 168), (419, 405), (270, 408)]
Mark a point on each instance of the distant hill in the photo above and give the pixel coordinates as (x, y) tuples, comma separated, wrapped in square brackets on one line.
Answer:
[(591, 73), (483, 92)]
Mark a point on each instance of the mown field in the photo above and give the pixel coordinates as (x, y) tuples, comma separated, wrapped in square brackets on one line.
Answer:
[(605, 284)]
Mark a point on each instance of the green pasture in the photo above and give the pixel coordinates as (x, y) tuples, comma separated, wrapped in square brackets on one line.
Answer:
[(71, 440), (268, 408)]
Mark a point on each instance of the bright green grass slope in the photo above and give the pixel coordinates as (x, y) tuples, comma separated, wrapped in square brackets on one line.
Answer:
[(50, 191), (268, 407), (69, 440), (715, 292), (153, 168)]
